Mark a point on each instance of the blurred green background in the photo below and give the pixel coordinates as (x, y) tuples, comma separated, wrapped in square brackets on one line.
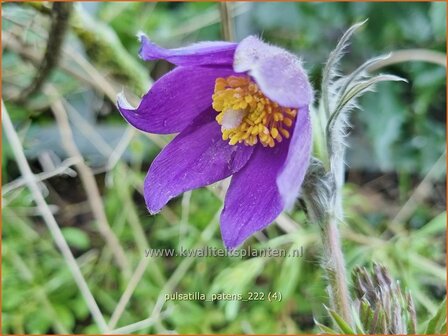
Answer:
[(395, 195)]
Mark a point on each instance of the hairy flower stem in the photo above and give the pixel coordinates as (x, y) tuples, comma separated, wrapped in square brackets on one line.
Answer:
[(332, 260), (334, 266)]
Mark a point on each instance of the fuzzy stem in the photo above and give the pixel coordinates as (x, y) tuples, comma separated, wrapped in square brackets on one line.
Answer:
[(333, 258), (322, 194), (334, 265), (339, 177)]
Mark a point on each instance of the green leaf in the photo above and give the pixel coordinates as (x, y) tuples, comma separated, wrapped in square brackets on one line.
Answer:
[(40, 323), (361, 70), (330, 67), (438, 321), (324, 328), (76, 238), (363, 86), (435, 225), (437, 14), (290, 272), (366, 313), (341, 323), (65, 316)]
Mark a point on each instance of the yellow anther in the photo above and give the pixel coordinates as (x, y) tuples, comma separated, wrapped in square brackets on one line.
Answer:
[(258, 118), (285, 133), (287, 122), (233, 141)]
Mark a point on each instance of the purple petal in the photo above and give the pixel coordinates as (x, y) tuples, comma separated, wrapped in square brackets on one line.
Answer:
[(195, 158), (202, 53), (278, 73), (174, 100), (253, 200), (291, 175)]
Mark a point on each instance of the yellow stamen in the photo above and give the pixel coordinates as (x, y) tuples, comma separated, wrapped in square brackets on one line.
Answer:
[(247, 115)]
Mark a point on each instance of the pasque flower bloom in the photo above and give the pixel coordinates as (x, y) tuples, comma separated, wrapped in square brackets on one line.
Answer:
[(241, 110)]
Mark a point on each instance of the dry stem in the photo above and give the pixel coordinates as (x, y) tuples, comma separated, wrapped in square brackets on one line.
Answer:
[(49, 219), (50, 59), (90, 186)]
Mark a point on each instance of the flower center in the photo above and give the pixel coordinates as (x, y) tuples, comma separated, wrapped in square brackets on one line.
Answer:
[(247, 116)]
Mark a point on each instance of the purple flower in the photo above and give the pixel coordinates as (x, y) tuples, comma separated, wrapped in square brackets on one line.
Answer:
[(241, 110)]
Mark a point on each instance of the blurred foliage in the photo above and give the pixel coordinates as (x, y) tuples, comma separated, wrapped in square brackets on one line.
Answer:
[(396, 140)]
